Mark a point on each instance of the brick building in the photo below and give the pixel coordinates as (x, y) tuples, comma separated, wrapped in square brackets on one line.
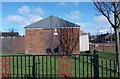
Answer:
[(43, 36), (12, 42)]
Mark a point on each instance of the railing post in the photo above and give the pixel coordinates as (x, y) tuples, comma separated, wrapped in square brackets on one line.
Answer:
[(96, 64), (33, 68)]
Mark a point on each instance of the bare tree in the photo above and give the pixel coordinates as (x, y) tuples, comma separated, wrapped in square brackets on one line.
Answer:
[(69, 37), (69, 40), (107, 9)]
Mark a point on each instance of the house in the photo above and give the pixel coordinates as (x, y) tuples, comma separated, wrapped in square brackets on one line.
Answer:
[(52, 34), (9, 34), (103, 38)]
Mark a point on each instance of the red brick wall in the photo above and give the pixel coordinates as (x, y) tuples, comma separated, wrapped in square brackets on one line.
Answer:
[(19, 45), (38, 40), (50, 40), (13, 45), (34, 41), (103, 47)]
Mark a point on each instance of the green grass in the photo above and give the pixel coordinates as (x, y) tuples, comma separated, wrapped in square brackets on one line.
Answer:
[(107, 55), (108, 58), (46, 67)]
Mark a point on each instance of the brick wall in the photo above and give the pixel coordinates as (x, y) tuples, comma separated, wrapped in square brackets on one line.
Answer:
[(37, 40), (103, 47), (13, 45), (19, 45), (34, 41), (52, 41)]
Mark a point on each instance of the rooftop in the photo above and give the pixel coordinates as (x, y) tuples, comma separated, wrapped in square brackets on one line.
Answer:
[(52, 22), (6, 34)]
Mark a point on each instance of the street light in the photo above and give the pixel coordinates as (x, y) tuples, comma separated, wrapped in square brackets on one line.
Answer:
[(55, 32)]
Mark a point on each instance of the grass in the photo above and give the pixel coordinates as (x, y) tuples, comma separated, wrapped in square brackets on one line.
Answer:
[(107, 55), (43, 65), (107, 62)]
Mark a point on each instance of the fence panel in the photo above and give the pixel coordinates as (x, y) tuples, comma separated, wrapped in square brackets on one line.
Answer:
[(108, 69), (59, 66)]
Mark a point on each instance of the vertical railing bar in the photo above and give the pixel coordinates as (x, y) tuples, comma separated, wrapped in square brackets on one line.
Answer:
[(13, 66), (110, 68), (25, 66), (9, 64), (36, 69), (29, 65), (59, 65), (46, 66), (21, 65), (79, 66), (2, 63), (5, 64), (83, 65), (91, 65), (37, 73), (106, 69), (70, 66), (75, 66), (17, 66), (33, 67), (114, 68), (102, 68), (87, 66), (55, 65), (9, 76), (39, 67), (51, 66), (42, 68)]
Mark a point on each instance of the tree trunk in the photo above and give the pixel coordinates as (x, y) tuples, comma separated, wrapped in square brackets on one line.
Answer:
[(117, 41), (1, 67)]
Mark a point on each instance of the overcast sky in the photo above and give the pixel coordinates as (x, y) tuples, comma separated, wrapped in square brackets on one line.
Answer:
[(20, 14)]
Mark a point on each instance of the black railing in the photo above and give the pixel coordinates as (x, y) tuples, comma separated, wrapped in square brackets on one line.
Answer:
[(47, 66)]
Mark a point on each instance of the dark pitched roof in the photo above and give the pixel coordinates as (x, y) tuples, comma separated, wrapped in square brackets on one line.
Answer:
[(52, 22), (5, 34), (103, 37)]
